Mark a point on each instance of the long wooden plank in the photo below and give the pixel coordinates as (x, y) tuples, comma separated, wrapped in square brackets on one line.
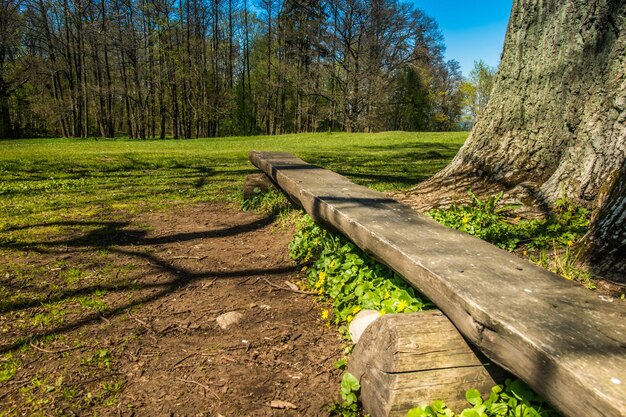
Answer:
[(569, 344)]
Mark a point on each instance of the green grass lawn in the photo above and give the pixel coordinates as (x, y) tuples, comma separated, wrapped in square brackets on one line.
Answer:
[(43, 180)]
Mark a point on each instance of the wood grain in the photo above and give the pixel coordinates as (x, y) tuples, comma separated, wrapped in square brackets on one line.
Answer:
[(404, 360)]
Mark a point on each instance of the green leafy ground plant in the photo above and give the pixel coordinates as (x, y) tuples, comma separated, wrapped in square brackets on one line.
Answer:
[(513, 399), (484, 219), (272, 202), (350, 388), (8, 367), (337, 269), (496, 223), (547, 242)]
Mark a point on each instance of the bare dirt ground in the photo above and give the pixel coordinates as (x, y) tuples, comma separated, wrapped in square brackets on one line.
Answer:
[(152, 346)]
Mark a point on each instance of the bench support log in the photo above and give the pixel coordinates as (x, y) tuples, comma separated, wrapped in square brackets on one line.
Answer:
[(255, 184), (404, 360)]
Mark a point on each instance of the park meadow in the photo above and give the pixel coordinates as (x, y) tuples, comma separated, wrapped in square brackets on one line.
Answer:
[(118, 255)]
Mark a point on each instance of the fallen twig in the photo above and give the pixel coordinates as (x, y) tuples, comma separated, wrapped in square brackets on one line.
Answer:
[(34, 346), (290, 289), (244, 280), (176, 365), (190, 381), (209, 284), (199, 258), (143, 323)]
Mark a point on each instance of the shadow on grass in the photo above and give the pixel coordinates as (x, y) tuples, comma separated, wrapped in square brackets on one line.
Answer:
[(413, 147), (116, 233)]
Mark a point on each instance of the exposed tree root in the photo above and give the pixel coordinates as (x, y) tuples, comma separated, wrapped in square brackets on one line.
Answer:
[(443, 190)]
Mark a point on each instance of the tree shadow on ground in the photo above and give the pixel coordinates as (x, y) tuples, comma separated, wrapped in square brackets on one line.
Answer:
[(110, 236)]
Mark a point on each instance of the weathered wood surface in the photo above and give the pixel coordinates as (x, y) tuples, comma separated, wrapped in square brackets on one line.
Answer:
[(404, 360), (564, 341)]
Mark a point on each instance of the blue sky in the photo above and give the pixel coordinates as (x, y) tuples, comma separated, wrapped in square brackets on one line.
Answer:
[(473, 30)]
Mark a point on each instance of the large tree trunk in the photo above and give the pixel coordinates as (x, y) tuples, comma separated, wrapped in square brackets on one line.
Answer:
[(6, 130), (556, 119), (606, 241)]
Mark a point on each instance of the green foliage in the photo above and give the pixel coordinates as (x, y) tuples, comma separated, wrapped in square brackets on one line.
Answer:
[(8, 367), (270, 202), (51, 314), (493, 222), (72, 276), (478, 88), (484, 219), (348, 276), (513, 399), (103, 358), (567, 224), (350, 387), (93, 302), (341, 363)]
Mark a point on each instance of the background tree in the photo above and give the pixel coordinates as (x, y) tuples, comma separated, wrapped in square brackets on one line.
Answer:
[(556, 121), (10, 37), (477, 89), (198, 68)]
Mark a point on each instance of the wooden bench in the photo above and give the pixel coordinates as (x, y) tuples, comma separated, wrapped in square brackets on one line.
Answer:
[(566, 342)]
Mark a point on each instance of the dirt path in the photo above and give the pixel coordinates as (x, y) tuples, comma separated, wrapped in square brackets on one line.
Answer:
[(157, 349)]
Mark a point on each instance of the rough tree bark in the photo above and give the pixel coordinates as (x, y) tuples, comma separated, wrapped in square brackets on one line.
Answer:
[(556, 120)]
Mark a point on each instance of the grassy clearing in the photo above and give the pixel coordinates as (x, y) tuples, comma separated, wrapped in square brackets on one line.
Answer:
[(65, 204), (84, 177), (45, 182)]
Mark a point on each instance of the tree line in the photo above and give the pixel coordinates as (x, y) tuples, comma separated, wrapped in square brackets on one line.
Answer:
[(206, 68)]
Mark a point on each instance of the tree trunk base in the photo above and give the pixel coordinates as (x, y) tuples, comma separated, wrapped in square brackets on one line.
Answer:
[(604, 258), (442, 191)]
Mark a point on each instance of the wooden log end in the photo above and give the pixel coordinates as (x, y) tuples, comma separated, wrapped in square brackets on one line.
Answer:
[(404, 360), (255, 184)]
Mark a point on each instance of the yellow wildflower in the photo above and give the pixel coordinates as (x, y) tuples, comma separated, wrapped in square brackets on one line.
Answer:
[(320, 281), (356, 309), (381, 312), (387, 295), (570, 243), (324, 314), (349, 318), (402, 305)]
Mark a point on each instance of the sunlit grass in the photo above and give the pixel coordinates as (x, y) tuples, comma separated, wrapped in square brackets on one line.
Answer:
[(52, 179)]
